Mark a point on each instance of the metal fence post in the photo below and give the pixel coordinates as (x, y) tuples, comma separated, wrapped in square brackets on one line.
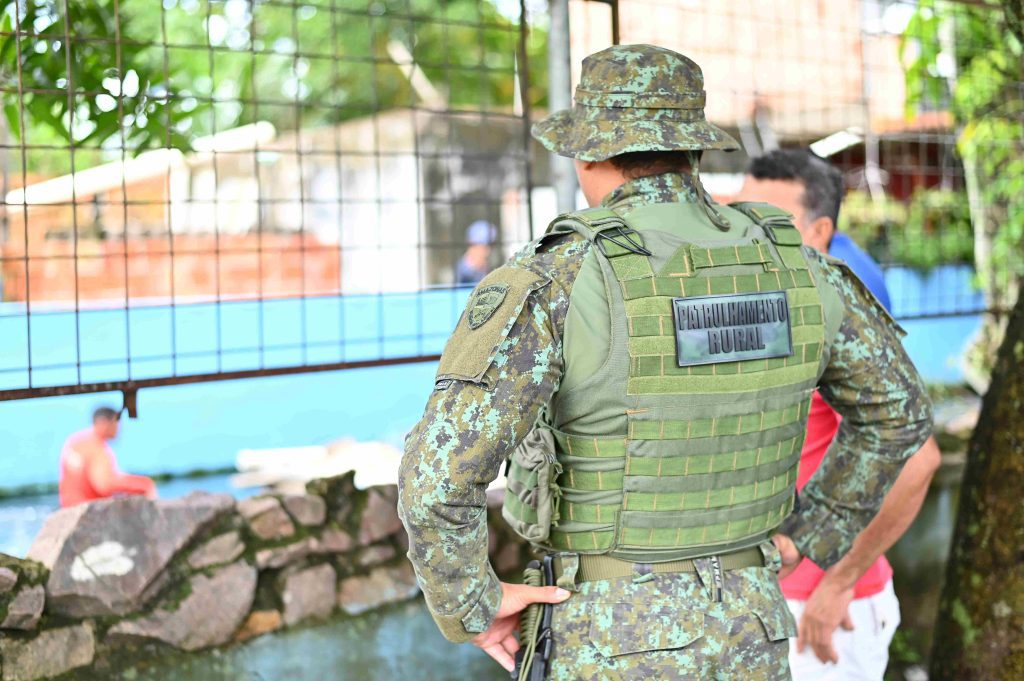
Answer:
[(563, 175)]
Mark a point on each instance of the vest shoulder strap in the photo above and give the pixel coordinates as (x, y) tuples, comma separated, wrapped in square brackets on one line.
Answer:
[(776, 223), (603, 227)]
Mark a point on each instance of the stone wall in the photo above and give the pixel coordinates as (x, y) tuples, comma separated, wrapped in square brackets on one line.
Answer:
[(112, 583)]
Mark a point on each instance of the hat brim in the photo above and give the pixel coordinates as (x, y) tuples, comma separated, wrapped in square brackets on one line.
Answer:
[(598, 140)]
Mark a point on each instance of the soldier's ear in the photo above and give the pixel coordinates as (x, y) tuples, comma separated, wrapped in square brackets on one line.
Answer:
[(820, 232)]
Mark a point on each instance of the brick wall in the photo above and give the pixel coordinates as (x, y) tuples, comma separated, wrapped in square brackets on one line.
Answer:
[(247, 265)]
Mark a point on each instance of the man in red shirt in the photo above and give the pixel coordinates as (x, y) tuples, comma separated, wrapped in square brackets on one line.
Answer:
[(88, 467), (847, 616)]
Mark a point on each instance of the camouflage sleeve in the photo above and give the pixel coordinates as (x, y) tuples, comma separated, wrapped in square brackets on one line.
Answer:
[(499, 369), (886, 413)]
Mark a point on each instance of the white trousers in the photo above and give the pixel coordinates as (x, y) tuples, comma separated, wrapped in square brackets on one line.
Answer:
[(863, 652)]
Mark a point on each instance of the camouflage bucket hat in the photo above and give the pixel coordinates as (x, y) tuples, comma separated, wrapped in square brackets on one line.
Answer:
[(634, 98)]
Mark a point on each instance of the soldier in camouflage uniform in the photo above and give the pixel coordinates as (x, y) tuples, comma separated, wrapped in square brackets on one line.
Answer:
[(647, 366)]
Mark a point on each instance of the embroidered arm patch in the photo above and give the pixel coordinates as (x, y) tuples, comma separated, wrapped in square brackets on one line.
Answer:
[(486, 300), (489, 316)]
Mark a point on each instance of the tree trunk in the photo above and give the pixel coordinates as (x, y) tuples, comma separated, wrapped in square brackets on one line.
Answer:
[(980, 631)]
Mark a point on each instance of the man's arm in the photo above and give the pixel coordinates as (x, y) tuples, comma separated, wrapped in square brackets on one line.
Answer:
[(827, 606), (468, 429), (108, 481), (125, 483), (886, 413)]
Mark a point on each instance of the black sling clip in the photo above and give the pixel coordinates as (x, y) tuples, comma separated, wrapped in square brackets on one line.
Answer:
[(622, 237)]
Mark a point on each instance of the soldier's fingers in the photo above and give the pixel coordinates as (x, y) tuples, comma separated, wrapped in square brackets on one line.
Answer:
[(510, 644), (786, 571), (524, 595), (546, 594), (788, 551), (501, 656)]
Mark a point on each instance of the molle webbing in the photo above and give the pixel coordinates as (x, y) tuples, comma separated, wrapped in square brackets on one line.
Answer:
[(709, 459), (681, 287)]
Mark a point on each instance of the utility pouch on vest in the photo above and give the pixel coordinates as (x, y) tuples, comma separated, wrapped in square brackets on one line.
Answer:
[(532, 494)]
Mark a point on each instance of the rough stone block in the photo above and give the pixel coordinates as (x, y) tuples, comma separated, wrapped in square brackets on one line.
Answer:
[(208, 616), (259, 622), (254, 507), (333, 540), (279, 556), (375, 555), (24, 611), (104, 556), (309, 593), (338, 492), (380, 517), (383, 585), (49, 543), (221, 549), (51, 653), (22, 594), (8, 578), (306, 509), (266, 519), (402, 539)]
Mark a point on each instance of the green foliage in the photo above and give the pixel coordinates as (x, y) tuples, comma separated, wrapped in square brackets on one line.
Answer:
[(932, 229), (88, 92), (924, 83), (987, 101), (148, 73)]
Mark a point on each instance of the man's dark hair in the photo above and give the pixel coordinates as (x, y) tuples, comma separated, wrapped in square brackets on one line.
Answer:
[(643, 163), (823, 183), (106, 414)]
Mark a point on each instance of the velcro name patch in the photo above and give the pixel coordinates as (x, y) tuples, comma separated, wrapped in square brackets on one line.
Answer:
[(732, 328)]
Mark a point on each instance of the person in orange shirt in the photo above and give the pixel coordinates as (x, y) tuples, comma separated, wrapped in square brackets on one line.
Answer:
[(88, 467)]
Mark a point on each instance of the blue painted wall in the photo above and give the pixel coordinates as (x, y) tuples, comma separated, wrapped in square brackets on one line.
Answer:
[(183, 428)]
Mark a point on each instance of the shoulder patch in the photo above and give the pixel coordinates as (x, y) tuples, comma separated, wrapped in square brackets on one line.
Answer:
[(490, 314), (486, 301)]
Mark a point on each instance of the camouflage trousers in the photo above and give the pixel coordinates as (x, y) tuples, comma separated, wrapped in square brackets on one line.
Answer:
[(672, 627)]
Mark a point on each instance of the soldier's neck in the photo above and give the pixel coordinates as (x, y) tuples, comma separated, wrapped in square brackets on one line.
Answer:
[(670, 187)]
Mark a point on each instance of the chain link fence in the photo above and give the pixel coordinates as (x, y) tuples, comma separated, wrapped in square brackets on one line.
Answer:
[(206, 189), (917, 103)]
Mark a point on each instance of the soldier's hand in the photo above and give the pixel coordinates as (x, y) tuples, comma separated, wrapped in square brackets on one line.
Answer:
[(499, 641), (789, 552), (826, 609)]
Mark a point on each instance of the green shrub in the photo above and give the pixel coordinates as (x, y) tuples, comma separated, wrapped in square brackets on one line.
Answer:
[(932, 229)]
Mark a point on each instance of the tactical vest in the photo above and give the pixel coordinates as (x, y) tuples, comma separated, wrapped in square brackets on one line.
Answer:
[(686, 441)]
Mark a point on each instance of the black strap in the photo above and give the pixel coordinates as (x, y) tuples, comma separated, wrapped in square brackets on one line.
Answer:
[(605, 228), (622, 236)]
